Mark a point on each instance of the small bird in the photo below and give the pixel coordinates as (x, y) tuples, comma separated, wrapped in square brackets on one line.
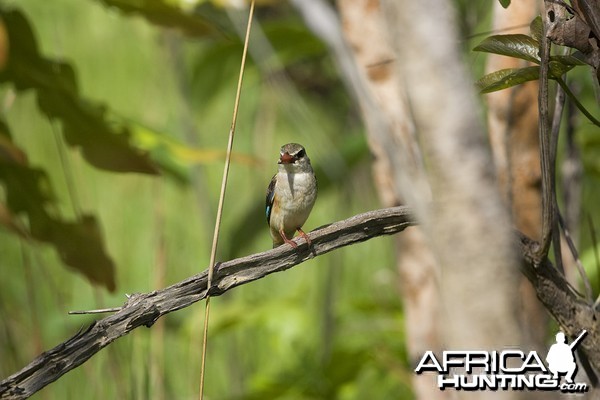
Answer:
[(291, 195)]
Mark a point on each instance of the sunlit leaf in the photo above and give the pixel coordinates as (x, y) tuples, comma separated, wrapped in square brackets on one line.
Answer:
[(517, 45), (177, 158)]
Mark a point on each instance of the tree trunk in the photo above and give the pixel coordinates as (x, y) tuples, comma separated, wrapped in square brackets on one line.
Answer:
[(468, 225), (442, 300), (364, 29)]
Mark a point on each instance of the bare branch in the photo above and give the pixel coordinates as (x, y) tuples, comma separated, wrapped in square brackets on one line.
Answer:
[(98, 311), (143, 309), (566, 305), (569, 308)]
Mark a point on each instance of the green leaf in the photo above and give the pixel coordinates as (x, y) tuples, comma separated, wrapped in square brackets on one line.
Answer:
[(504, 3), (517, 45), (84, 123), (78, 243), (574, 59), (506, 78), (558, 69), (28, 192), (536, 28), (177, 158)]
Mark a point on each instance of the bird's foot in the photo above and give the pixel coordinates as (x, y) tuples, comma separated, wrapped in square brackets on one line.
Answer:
[(305, 236), (286, 240), (291, 243)]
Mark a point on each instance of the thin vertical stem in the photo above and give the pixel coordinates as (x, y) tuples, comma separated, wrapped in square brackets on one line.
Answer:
[(545, 153), (213, 251)]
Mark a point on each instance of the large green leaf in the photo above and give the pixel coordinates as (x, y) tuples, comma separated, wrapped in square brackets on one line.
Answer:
[(28, 192), (517, 45), (506, 78), (103, 144), (79, 244)]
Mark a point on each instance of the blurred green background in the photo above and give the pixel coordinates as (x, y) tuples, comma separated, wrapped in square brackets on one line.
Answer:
[(331, 328)]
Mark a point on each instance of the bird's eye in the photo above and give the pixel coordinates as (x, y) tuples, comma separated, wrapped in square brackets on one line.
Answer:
[(301, 154)]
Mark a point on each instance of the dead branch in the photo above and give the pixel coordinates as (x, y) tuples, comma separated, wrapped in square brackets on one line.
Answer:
[(143, 309), (567, 306)]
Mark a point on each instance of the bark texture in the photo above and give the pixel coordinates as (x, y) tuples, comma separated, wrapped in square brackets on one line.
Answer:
[(479, 274), (419, 275)]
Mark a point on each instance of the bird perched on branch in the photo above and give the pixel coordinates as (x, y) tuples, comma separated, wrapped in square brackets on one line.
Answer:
[(291, 195)]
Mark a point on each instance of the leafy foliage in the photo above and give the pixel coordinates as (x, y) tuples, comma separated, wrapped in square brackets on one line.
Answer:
[(106, 142), (28, 192), (517, 46), (525, 48), (85, 124)]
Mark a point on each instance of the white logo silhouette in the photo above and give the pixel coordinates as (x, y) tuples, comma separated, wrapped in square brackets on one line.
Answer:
[(560, 356)]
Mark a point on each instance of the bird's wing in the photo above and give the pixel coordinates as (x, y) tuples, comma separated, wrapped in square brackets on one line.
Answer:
[(270, 198)]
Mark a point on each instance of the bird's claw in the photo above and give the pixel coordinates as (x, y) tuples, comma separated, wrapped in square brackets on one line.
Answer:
[(291, 243), (305, 236)]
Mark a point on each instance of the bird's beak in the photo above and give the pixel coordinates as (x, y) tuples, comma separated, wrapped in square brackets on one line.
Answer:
[(286, 159)]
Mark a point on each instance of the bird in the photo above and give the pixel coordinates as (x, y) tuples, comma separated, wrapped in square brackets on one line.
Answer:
[(291, 195)]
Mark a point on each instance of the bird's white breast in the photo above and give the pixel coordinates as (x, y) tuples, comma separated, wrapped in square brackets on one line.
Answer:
[(296, 193)]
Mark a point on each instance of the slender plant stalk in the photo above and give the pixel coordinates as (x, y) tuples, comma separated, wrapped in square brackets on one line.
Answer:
[(544, 138), (576, 101), (215, 242)]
